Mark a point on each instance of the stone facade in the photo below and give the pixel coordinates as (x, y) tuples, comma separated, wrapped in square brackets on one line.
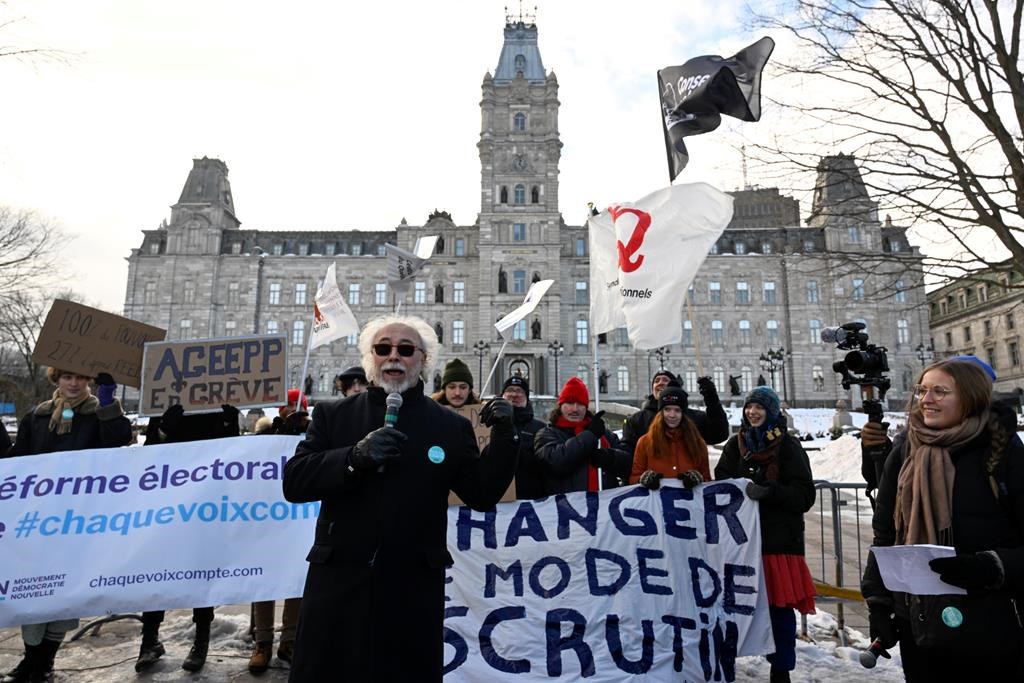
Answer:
[(769, 282)]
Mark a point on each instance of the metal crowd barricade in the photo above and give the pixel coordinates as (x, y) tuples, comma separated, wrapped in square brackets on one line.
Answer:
[(832, 570)]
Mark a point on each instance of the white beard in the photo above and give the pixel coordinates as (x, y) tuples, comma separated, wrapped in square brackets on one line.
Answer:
[(396, 386)]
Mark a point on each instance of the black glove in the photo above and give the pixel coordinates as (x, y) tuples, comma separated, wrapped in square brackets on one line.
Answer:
[(758, 491), (376, 448), (651, 479), (707, 390), (171, 420), (295, 424), (690, 478), (230, 419), (105, 388), (882, 627), (603, 458), (497, 414), (596, 425), (973, 572)]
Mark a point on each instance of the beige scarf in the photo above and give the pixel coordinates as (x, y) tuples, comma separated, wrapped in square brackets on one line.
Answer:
[(924, 488), (85, 404)]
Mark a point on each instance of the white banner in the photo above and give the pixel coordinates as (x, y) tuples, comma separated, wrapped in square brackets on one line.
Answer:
[(644, 255), (113, 530), (626, 584)]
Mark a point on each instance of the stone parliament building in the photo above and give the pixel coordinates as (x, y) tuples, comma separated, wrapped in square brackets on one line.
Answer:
[(769, 284)]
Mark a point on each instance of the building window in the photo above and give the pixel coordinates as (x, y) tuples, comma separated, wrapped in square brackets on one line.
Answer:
[(232, 292), (812, 291), (581, 332), (982, 293), (741, 247), (185, 329), (1009, 321), (988, 329), (519, 330), (329, 248), (380, 294), (460, 246), (622, 336), (274, 296), (277, 249), (581, 372), (949, 340), (717, 334), (149, 295), (356, 249), (766, 247), (298, 332), (772, 326), (714, 248), (382, 249), (769, 293), (742, 293), (718, 376), (858, 290), (967, 333), (419, 294), (1013, 353), (714, 293), (746, 379), (622, 379), (458, 332), (353, 339), (990, 354), (271, 327), (901, 292), (902, 332), (808, 246), (519, 194), (581, 292), (818, 378), (229, 328), (188, 294), (459, 293), (745, 332), (300, 294), (519, 232), (353, 294), (519, 121), (303, 249), (690, 381), (853, 234), (519, 282), (815, 330), (154, 248)]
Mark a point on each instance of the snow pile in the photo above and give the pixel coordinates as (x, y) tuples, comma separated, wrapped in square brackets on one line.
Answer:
[(838, 462)]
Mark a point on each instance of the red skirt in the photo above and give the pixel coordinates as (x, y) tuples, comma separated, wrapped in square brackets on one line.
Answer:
[(789, 582)]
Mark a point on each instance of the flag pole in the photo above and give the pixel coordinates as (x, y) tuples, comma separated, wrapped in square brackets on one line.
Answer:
[(696, 336), (493, 367), (597, 381), (305, 368)]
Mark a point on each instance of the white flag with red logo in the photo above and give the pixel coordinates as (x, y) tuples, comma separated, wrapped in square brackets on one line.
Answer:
[(332, 318), (644, 255)]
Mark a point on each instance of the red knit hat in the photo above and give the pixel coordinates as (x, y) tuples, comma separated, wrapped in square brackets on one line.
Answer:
[(293, 397), (574, 391)]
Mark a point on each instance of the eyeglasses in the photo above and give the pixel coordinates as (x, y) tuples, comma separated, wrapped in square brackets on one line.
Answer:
[(404, 350), (938, 393)]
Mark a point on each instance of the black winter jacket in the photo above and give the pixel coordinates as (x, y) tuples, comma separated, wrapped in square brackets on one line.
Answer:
[(529, 475), (782, 511), (979, 521), (91, 427), (373, 604), (713, 425), (564, 459)]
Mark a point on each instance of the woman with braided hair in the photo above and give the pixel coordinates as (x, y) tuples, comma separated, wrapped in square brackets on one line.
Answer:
[(955, 477)]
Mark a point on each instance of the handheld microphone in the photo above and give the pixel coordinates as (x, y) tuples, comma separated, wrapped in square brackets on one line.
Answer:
[(869, 657), (393, 402)]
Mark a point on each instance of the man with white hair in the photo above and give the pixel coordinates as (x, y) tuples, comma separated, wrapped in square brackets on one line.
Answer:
[(373, 603)]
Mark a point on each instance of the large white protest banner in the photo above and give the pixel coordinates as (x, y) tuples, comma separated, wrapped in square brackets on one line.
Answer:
[(128, 529), (625, 584)]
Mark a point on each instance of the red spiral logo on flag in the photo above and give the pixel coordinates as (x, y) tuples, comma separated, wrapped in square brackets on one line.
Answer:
[(636, 240)]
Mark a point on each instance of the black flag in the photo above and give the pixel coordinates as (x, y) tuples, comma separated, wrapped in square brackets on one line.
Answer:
[(695, 95)]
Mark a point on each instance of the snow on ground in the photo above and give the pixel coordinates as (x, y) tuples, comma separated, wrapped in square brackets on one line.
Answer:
[(110, 656)]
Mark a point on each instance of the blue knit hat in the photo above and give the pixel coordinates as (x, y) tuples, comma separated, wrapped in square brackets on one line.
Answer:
[(979, 362), (767, 399)]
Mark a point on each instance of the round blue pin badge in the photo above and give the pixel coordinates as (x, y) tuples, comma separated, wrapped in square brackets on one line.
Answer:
[(952, 617), (67, 413), (436, 455)]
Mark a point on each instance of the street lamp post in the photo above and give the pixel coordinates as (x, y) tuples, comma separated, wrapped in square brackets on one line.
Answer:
[(662, 354), (772, 360), (924, 353), (556, 349), (481, 349)]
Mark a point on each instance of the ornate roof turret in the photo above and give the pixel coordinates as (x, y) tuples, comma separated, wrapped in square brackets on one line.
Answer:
[(520, 56), (839, 192)]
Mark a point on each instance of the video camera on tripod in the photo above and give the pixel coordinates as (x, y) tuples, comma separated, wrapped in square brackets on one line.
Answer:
[(864, 365)]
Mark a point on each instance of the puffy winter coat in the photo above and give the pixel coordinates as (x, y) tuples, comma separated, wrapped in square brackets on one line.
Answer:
[(713, 425), (564, 459)]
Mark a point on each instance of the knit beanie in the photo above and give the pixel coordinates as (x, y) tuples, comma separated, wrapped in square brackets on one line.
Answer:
[(979, 362), (517, 381), (667, 373), (293, 397), (767, 399), (672, 395), (574, 391), (457, 371), (354, 372)]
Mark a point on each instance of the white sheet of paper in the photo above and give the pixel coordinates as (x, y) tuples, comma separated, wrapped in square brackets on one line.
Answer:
[(905, 568)]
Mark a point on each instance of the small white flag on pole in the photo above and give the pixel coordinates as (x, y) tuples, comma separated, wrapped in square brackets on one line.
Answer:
[(644, 255), (403, 265), (332, 318), (533, 296)]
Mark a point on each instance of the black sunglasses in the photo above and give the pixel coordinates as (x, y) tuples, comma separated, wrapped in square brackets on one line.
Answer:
[(404, 350)]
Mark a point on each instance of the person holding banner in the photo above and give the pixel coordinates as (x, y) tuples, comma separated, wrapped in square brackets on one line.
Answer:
[(373, 602), (516, 391), (575, 445), (456, 386), (672, 447), (713, 424), (780, 475), (71, 420)]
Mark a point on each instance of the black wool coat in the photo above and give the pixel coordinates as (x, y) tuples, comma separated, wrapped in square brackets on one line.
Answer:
[(782, 511), (373, 602), (529, 476), (564, 459), (713, 425), (91, 427)]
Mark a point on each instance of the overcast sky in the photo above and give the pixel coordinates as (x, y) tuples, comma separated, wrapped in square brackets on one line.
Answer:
[(329, 115)]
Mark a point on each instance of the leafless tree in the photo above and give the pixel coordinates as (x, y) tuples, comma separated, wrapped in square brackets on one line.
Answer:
[(30, 54), (29, 246), (928, 95)]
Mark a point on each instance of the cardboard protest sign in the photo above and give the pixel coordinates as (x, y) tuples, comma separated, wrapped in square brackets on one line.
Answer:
[(89, 341), (483, 437), (203, 374)]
